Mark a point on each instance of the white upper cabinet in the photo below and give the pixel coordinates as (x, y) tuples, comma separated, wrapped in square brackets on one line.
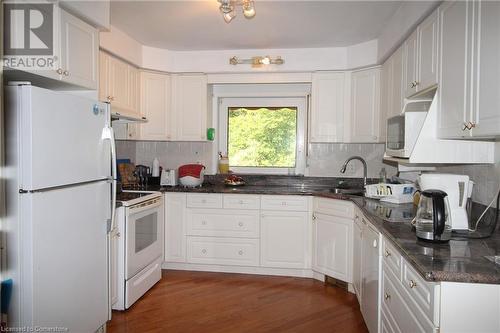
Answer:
[(327, 107), (487, 71), (427, 33), (79, 52), (391, 88), (155, 106), (454, 61), (410, 49), (189, 107), (365, 106), (118, 84)]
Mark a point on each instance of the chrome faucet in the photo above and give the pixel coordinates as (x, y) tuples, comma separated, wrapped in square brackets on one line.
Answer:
[(365, 169)]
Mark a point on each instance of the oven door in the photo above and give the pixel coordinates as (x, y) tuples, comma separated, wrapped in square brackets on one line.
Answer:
[(144, 235), (395, 143)]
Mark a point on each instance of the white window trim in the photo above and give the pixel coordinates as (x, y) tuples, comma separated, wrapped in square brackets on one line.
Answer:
[(299, 102)]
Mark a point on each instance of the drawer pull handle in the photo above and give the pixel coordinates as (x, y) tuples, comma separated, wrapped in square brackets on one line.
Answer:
[(240, 252), (283, 203), (387, 296), (413, 284), (240, 224), (387, 253), (204, 222), (204, 251)]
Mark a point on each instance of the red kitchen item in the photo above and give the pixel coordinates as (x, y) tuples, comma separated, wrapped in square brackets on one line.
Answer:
[(193, 170)]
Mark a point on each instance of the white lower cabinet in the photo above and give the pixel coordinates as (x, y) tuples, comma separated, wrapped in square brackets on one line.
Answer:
[(223, 251), (356, 254), (332, 250), (175, 230), (370, 277), (284, 239), (223, 222)]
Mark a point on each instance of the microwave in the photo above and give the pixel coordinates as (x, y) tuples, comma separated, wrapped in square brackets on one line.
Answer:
[(402, 133)]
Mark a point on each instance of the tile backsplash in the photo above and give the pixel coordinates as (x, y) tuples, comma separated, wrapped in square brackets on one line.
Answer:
[(325, 160)]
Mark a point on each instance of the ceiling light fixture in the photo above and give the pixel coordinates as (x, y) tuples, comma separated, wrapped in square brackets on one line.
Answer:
[(257, 61), (227, 9)]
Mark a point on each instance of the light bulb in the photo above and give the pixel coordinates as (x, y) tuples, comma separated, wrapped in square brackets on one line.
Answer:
[(265, 60), (248, 9), (229, 16)]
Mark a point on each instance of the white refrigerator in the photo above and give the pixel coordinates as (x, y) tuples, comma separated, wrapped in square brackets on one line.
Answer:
[(60, 207)]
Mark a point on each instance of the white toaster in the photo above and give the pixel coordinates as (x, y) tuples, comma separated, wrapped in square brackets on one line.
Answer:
[(168, 177)]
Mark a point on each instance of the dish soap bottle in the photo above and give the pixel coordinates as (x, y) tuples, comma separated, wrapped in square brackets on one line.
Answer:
[(156, 167), (382, 176)]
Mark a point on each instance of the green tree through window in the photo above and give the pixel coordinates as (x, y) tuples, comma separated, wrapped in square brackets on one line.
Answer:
[(262, 136)]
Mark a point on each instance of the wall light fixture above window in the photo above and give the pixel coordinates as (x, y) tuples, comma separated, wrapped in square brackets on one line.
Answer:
[(227, 9), (257, 61)]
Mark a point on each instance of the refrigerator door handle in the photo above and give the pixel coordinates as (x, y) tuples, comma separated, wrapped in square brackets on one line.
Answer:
[(108, 134)]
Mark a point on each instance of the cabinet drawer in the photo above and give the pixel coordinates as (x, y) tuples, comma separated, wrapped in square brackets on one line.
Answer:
[(223, 251), (405, 317), (204, 200), (391, 258), (284, 202), (241, 201), (342, 208), (423, 293), (223, 222)]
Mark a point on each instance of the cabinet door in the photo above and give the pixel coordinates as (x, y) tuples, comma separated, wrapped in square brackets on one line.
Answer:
[(454, 60), (155, 99), (365, 115), (410, 67), (487, 70), (284, 239), (133, 75), (104, 93), (332, 246), (118, 84), (327, 107), (428, 52), (356, 256), (189, 107), (370, 276), (175, 230), (396, 86), (79, 51)]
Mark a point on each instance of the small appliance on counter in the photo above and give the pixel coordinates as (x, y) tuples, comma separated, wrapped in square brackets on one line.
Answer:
[(432, 222), (168, 177), (191, 175), (459, 190)]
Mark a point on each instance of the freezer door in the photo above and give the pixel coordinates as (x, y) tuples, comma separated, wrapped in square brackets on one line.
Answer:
[(63, 279), (61, 139)]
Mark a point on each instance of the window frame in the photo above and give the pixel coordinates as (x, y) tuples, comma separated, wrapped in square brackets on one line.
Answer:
[(299, 102)]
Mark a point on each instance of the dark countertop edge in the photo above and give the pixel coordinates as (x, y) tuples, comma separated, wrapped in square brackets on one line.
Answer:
[(431, 276)]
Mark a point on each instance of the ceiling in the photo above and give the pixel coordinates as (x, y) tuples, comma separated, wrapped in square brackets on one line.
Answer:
[(198, 25)]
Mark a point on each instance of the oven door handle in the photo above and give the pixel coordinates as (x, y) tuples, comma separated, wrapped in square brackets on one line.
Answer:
[(145, 206)]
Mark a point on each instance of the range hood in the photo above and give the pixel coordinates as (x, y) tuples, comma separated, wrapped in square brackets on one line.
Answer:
[(429, 149), (124, 119)]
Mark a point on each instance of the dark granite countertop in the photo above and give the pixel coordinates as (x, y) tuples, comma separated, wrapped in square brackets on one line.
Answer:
[(460, 260)]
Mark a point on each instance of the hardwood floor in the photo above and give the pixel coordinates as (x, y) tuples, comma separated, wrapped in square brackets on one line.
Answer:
[(217, 302)]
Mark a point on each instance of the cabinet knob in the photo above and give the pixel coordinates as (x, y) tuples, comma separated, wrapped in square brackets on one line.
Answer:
[(412, 85), (204, 251), (314, 217), (203, 201), (387, 296), (240, 252), (118, 234), (416, 83), (412, 284), (66, 73), (241, 202), (387, 253), (110, 98), (240, 224), (472, 125), (204, 222), (59, 71), (283, 203)]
